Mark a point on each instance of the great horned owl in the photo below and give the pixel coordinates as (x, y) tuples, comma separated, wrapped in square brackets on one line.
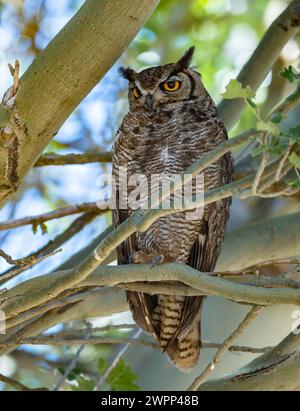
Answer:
[(172, 122)]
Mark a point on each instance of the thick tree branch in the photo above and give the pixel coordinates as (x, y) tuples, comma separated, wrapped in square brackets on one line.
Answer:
[(61, 76), (39, 290), (276, 370)]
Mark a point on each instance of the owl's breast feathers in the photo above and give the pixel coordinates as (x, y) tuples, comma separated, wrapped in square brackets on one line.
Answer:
[(168, 142)]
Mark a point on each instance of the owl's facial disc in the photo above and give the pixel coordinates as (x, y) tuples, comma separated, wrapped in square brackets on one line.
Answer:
[(169, 88)]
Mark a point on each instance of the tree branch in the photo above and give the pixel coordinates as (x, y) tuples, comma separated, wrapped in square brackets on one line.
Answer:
[(276, 370), (17, 385), (51, 247), (285, 27), (53, 159), (57, 81), (40, 219)]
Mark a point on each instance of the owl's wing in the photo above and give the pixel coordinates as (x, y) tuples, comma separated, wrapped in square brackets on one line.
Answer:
[(124, 250), (207, 247), (141, 305)]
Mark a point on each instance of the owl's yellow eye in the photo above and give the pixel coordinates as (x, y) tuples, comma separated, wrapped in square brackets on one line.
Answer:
[(136, 92), (171, 85)]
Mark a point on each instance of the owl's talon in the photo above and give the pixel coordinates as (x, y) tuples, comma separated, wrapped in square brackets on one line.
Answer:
[(139, 257), (158, 259)]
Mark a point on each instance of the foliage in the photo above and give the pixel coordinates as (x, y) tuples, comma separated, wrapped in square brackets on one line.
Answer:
[(290, 74)]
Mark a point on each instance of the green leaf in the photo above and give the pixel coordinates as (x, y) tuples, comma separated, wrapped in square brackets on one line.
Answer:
[(251, 103), (122, 378), (234, 89), (102, 365), (295, 184), (290, 74), (84, 384), (268, 126), (277, 118), (293, 133), (295, 160)]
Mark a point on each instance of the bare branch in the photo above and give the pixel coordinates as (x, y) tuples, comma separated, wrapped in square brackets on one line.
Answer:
[(51, 247), (53, 159), (52, 215), (115, 361), (71, 365), (80, 340), (18, 385), (26, 263)]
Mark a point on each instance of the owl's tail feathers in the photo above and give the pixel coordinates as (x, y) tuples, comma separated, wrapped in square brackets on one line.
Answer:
[(185, 353), (179, 330), (174, 321)]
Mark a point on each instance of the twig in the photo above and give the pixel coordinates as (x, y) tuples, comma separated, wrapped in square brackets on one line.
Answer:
[(18, 385), (236, 348), (53, 159), (27, 262), (51, 215), (291, 261), (20, 261), (76, 226), (283, 160), (74, 337), (91, 330), (44, 340), (287, 192), (260, 172), (117, 358), (15, 71), (251, 315), (61, 301)]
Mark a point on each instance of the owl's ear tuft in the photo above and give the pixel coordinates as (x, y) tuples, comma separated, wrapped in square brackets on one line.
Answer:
[(185, 60), (128, 73)]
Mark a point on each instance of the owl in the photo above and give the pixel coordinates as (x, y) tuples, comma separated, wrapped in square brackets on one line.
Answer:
[(172, 122)]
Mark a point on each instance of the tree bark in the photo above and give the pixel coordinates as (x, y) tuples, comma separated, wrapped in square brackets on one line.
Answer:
[(276, 370)]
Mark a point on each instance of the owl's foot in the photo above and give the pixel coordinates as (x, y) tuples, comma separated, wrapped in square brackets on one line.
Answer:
[(139, 257), (158, 259)]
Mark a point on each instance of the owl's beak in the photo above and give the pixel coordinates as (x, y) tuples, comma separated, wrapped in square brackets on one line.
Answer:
[(149, 102)]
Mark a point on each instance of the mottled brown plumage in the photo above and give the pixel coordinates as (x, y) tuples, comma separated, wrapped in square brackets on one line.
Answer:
[(164, 132)]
